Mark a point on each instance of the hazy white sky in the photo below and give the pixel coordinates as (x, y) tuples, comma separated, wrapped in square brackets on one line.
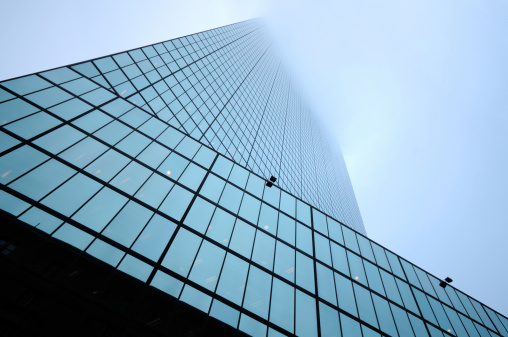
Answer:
[(416, 92)]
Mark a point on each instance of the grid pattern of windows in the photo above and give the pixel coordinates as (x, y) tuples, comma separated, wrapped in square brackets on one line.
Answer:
[(155, 162)]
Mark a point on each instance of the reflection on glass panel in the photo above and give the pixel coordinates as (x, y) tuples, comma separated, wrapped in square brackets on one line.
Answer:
[(356, 267), (42, 180), (252, 327), (381, 258), (365, 248), (349, 326), (304, 238), (444, 323), (325, 283), (154, 237), (97, 212), (221, 226), (232, 279), (131, 178), (365, 307), (206, 268), (424, 281), (345, 294), (127, 225), (482, 313), (418, 326), (268, 219), (153, 155), (250, 208), (263, 252), (173, 166), (384, 316), (282, 304), (167, 284), (182, 251), (373, 277), (434, 332), (285, 261), (105, 252), (403, 325), (196, 298), (71, 195), (257, 294), (242, 239), (19, 161), (225, 313), (329, 321)]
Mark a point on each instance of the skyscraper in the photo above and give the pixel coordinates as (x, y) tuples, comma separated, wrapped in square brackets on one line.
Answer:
[(194, 166)]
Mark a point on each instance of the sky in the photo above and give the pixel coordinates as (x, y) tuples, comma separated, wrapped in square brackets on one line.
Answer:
[(415, 92)]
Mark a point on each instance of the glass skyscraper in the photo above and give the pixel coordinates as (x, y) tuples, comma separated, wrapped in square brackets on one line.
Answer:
[(194, 166)]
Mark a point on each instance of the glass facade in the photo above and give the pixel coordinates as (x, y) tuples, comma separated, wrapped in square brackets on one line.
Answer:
[(157, 161)]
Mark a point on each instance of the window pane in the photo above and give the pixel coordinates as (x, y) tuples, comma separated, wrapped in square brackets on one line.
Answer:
[(154, 237), (206, 268), (232, 279)]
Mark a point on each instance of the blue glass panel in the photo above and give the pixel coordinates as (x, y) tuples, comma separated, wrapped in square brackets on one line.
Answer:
[(154, 190), (304, 238), (272, 196), (11, 204), (212, 188), (374, 278), (73, 236), (231, 198), (366, 250), (107, 165), (350, 239), (206, 268), (14, 110), (268, 219), (252, 327), (80, 86), (6, 141), (225, 313), (71, 195), (394, 263), (319, 222), (33, 125), (42, 180), (232, 279), (26, 84), (242, 239), (424, 281), (365, 307), (167, 284), (49, 97), (384, 316), (424, 305), (322, 249), (40, 219), (92, 121), (176, 202), (329, 321), (59, 139), (380, 255), (303, 212), (199, 215), (326, 285), (153, 155), (458, 328), (305, 316), (390, 286), (255, 185), (263, 252), (222, 167), (131, 178), (204, 157), (350, 327), (97, 212), (105, 252), (285, 261), (220, 227), (403, 325), (60, 75), (135, 268), (305, 272), (173, 166), (288, 203), (239, 176), (249, 208), (282, 305), (345, 294), (418, 326), (182, 251), (257, 293), (84, 152), (70, 109), (407, 296), (192, 177), (127, 225), (286, 229), (154, 238), (133, 144), (19, 161)]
